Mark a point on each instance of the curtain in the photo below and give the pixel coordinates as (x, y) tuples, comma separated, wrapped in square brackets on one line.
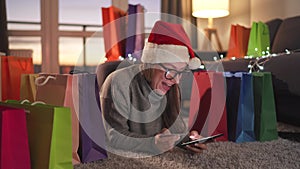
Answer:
[(180, 12), (172, 7), (3, 28)]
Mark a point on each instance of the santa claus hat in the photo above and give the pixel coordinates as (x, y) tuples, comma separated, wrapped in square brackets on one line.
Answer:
[(168, 43)]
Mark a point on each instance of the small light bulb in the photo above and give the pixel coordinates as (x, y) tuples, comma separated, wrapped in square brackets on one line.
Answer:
[(274, 54), (121, 58)]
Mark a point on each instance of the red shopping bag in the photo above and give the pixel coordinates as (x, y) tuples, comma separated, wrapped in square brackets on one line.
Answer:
[(207, 108), (238, 42), (12, 67), (14, 139), (114, 33)]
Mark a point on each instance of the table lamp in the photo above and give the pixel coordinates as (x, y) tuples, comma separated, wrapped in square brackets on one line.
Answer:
[(211, 9)]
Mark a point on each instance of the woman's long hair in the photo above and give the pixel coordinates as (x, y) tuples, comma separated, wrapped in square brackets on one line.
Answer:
[(173, 106)]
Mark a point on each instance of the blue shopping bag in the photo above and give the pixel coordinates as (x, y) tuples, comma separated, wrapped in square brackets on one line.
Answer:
[(245, 115)]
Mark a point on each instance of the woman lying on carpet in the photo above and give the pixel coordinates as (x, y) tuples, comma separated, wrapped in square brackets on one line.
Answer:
[(141, 103)]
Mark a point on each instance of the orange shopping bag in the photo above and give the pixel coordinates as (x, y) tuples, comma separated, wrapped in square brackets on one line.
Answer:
[(114, 32), (12, 67), (238, 43)]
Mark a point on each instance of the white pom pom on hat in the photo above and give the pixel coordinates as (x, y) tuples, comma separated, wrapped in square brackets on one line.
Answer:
[(168, 43)]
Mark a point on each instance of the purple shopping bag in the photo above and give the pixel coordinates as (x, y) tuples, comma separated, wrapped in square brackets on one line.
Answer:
[(92, 134)]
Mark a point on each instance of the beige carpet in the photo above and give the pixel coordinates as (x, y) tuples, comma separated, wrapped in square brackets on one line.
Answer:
[(283, 153)]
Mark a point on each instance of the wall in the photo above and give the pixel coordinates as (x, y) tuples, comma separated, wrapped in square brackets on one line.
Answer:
[(239, 14), (244, 12), (270, 9)]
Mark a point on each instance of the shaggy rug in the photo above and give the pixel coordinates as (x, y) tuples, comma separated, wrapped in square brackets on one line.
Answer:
[(281, 153)]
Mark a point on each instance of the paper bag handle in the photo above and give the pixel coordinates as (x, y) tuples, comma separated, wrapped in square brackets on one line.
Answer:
[(45, 81)]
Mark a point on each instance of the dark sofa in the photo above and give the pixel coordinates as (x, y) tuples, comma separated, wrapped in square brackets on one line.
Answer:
[(285, 67)]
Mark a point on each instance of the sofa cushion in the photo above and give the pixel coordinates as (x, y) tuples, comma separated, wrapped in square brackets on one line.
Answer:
[(238, 65), (285, 69), (273, 28), (287, 35)]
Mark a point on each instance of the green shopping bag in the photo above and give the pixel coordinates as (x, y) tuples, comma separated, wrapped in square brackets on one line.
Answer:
[(265, 123), (49, 133), (259, 40)]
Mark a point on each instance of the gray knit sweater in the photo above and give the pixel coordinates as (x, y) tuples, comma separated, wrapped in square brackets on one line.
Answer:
[(132, 111)]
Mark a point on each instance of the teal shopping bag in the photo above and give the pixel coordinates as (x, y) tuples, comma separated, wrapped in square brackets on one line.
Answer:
[(264, 107), (259, 40), (49, 133)]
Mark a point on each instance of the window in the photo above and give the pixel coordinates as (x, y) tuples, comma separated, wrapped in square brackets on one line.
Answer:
[(80, 39), (29, 12)]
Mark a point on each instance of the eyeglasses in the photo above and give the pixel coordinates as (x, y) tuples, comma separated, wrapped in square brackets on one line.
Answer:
[(172, 73)]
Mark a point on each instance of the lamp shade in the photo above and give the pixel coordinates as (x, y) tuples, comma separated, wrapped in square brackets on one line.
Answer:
[(210, 8)]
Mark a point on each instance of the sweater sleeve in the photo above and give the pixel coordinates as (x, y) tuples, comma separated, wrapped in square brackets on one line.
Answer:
[(115, 109), (119, 134)]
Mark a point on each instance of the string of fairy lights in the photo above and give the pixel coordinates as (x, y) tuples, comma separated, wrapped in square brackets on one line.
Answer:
[(256, 63)]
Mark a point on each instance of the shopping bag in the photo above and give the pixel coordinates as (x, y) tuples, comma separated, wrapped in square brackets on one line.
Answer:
[(233, 85), (60, 90), (131, 31), (207, 108), (28, 87), (49, 133), (259, 40), (14, 139), (51, 88), (71, 101), (140, 32), (265, 110), (92, 134), (12, 69), (238, 41), (245, 115), (114, 32), (135, 32)]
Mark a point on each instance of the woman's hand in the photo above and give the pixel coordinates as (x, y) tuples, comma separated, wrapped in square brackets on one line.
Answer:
[(197, 147), (165, 143)]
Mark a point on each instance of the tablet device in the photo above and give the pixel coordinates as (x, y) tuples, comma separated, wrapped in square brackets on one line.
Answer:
[(202, 140)]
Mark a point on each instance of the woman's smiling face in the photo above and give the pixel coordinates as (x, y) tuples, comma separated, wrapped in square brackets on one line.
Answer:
[(160, 82)]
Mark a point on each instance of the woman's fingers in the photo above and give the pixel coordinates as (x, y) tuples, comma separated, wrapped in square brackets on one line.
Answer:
[(197, 148), (194, 149)]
